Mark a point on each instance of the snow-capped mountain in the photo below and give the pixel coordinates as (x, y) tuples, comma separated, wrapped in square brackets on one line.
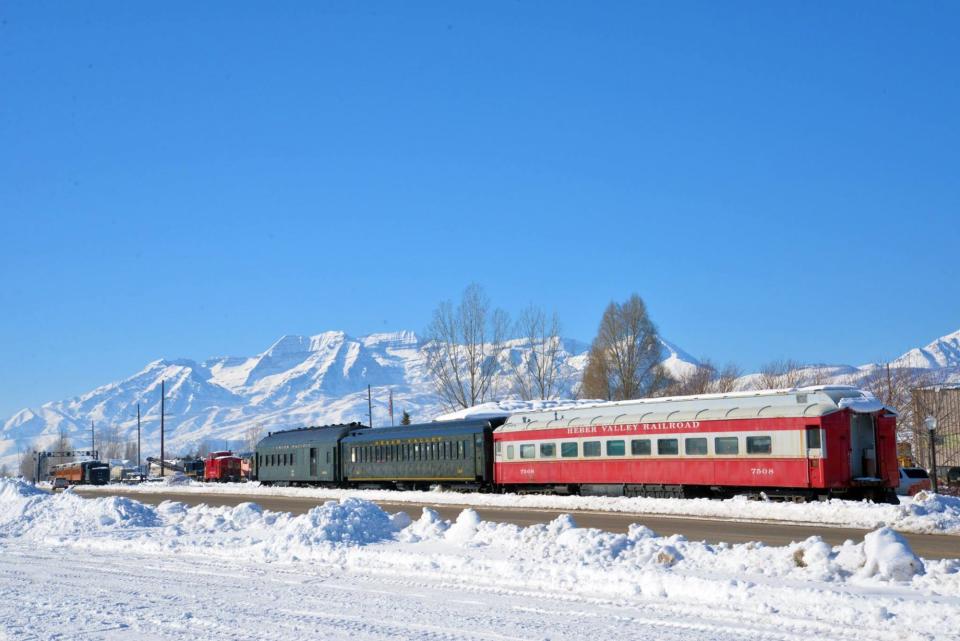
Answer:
[(304, 380), (299, 380)]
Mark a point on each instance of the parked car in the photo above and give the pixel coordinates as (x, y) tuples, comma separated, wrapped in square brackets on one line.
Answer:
[(60, 483), (912, 480)]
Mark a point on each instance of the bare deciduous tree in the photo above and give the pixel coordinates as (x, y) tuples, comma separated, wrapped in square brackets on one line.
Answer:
[(780, 374), (28, 467), (699, 380), (706, 379), (537, 376), (726, 380), (109, 443), (816, 375), (624, 359), (463, 347), (251, 436)]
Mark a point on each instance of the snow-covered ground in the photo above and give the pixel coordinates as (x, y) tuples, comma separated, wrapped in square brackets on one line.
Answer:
[(114, 568), (926, 514)]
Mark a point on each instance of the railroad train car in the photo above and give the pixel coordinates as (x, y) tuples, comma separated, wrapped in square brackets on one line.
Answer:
[(303, 456), (453, 453), (798, 444), (222, 467), (82, 472), (803, 443)]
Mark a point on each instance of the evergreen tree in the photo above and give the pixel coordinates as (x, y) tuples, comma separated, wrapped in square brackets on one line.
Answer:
[(405, 419)]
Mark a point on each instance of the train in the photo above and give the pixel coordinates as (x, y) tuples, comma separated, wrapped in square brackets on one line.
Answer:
[(222, 467), (799, 444), (82, 472)]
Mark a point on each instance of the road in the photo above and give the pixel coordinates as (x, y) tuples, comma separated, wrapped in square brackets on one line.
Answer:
[(930, 546)]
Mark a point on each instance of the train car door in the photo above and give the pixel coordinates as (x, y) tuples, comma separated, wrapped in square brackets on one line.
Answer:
[(815, 451), (863, 446), (313, 462)]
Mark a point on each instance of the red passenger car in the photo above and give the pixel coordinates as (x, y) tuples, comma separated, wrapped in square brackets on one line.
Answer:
[(801, 443), (221, 466)]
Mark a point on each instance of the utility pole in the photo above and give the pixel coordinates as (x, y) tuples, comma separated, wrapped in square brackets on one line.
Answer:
[(931, 424), (139, 469), (162, 394), (369, 407), (93, 440)]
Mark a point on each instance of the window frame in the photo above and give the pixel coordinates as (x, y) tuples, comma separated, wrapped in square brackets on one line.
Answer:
[(698, 440), (634, 442), (760, 438), (717, 448), (621, 442), (676, 446)]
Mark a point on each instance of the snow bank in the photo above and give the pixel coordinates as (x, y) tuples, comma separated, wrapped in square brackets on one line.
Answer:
[(888, 556), (927, 513), (354, 533)]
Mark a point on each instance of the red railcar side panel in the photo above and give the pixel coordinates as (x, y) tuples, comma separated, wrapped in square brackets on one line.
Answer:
[(740, 472)]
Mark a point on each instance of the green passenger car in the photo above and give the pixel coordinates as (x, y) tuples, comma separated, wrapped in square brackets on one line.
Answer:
[(304, 456), (455, 453)]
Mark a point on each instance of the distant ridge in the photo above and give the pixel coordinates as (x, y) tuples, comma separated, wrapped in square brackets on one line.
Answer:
[(305, 380)]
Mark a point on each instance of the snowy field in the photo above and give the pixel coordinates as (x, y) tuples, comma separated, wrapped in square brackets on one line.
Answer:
[(926, 513), (114, 568)]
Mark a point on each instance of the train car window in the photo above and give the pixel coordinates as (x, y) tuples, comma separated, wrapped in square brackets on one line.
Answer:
[(569, 450), (353, 455), (293, 458), (726, 445), (616, 448), (813, 437), (528, 450), (668, 447), (695, 446), (640, 447), (510, 452), (499, 448), (548, 450), (758, 444), (591, 448)]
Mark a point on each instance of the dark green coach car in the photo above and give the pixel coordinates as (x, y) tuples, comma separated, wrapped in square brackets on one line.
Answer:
[(453, 453), (304, 456)]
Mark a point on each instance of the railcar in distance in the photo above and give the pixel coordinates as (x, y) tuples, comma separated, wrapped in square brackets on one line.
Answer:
[(82, 472), (302, 456), (451, 453), (816, 442), (222, 467)]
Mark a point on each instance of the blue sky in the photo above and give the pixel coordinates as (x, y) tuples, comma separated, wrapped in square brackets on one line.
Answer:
[(197, 179)]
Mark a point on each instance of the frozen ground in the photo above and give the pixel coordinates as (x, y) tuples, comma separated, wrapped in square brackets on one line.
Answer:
[(926, 514), (114, 568)]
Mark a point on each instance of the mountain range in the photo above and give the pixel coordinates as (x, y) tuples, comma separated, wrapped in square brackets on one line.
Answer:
[(309, 380)]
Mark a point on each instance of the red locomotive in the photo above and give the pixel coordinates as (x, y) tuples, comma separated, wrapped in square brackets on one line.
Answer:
[(797, 444), (221, 466)]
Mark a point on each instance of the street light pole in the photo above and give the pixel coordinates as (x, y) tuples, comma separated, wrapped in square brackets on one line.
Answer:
[(931, 424)]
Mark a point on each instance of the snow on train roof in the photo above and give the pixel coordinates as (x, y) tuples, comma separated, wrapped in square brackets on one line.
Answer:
[(794, 402)]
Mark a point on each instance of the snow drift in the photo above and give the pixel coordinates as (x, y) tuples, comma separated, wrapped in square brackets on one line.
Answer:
[(353, 532)]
